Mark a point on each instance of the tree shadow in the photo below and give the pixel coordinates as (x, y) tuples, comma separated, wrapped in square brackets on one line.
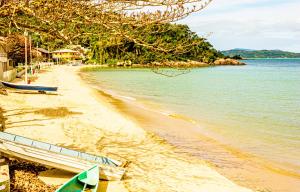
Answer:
[(2, 120), (34, 93), (30, 125), (102, 186), (56, 112), (50, 113), (25, 121)]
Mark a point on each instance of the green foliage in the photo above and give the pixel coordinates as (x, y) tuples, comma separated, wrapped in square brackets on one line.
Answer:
[(140, 45), (160, 43), (244, 53), (15, 45)]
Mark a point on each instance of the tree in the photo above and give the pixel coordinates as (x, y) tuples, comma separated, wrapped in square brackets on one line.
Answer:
[(69, 19), (15, 45), (176, 40)]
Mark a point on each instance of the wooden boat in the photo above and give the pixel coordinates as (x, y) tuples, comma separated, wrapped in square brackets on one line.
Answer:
[(4, 176), (29, 87), (85, 181), (58, 157)]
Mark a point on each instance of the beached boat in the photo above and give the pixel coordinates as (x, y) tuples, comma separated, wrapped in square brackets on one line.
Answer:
[(58, 157), (29, 87), (85, 181)]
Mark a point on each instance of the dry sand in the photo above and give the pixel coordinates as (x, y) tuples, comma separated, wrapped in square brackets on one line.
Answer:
[(77, 118)]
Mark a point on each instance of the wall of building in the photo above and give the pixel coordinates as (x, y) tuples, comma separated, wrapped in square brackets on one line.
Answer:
[(1, 70), (3, 61), (9, 75), (66, 56)]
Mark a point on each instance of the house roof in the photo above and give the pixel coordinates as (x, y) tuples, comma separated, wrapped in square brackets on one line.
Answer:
[(43, 50), (65, 51)]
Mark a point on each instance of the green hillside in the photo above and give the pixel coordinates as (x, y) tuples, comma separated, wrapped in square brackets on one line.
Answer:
[(246, 53)]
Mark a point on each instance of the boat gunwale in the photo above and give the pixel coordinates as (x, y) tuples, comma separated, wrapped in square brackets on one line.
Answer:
[(108, 173), (59, 161), (116, 163)]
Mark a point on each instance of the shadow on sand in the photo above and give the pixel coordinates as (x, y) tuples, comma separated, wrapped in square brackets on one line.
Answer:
[(51, 113), (34, 93)]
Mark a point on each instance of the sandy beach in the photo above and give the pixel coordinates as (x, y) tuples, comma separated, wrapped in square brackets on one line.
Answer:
[(78, 117)]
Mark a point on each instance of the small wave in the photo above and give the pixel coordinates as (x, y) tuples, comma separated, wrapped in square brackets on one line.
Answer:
[(182, 117), (126, 97), (113, 93)]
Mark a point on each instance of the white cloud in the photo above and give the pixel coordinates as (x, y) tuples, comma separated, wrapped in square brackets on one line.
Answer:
[(254, 24)]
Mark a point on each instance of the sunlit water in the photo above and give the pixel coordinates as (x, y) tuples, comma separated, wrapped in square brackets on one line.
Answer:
[(254, 107)]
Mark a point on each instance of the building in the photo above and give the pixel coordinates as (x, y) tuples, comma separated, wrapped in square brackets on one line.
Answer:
[(7, 72), (42, 54), (3, 61), (66, 55)]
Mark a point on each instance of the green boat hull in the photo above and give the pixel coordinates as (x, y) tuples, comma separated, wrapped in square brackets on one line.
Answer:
[(86, 181)]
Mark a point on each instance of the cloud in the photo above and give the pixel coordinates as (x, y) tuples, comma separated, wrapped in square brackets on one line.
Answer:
[(255, 24)]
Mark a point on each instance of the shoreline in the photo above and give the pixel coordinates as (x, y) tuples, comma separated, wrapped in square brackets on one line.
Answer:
[(237, 165), (91, 126)]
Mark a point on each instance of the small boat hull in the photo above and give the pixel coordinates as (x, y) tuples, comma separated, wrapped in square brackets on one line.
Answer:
[(29, 87), (58, 157), (86, 180)]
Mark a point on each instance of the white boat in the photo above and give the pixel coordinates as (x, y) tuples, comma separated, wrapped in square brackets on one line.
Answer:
[(58, 157)]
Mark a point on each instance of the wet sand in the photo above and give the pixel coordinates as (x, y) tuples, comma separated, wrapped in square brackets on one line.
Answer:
[(191, 137), (244, 169), (77, 117)]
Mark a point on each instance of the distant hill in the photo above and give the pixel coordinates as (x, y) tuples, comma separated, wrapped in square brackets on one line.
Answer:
[(248, 53)]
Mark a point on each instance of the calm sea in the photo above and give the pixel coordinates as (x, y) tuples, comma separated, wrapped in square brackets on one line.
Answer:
[(255, 107)]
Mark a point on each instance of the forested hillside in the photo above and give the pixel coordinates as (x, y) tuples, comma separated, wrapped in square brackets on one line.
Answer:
[(246, 53)]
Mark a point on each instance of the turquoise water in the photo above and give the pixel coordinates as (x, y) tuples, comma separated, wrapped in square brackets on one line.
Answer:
[(254, 107)]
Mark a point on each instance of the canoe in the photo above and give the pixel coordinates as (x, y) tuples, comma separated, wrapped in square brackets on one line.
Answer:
[(4, 176), (85, 181), (59, 157), (28, 87)]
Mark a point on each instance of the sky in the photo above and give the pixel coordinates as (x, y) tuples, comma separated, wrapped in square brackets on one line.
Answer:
[(251, 24)]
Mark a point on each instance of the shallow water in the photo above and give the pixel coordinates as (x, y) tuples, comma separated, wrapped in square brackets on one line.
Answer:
[(255, 108)]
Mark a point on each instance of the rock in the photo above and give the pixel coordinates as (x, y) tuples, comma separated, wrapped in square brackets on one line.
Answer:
[(179, 64), (228, 62), (137, 65), (120, 64)]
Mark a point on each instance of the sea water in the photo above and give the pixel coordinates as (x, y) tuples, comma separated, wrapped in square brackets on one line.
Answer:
[(255, 107)]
